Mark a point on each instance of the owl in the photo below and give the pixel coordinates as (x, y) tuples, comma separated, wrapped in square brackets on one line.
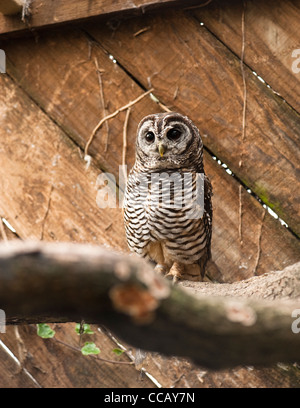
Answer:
[(167, 202)]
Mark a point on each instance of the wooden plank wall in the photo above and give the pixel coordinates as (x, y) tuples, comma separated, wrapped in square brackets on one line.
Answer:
[(52, 97), (42, 14)]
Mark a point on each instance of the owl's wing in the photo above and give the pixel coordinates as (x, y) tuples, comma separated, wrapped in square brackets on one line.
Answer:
[(208, 210), (207, 221)]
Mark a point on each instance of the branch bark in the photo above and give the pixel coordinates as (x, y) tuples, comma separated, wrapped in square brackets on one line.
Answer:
[(218, 328)]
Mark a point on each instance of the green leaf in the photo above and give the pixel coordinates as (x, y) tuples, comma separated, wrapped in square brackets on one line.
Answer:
[(85, 327), (45, 331), (118, 351), (90, 348)]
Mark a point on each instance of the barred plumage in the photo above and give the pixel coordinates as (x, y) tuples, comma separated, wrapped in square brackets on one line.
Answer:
[(167, 204)]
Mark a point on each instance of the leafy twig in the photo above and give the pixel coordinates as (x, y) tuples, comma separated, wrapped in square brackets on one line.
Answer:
[(93, 355)]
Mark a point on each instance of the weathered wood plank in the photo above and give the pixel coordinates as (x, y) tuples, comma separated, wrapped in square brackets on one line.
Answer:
[(45, 191), (73, 370), (11, 374), (45, 14), (271, 36), (198, 76), (76, 106), (9, 7), (179, 373), (261, 234)]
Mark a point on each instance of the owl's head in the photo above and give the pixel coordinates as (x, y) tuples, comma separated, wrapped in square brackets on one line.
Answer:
[(168, 141)]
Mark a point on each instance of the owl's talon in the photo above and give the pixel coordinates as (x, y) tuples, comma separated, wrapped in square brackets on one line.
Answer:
[(175, 279), (160, 269), (175, 272)]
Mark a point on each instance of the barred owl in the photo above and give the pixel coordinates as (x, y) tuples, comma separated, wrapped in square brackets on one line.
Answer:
[(167, 202)]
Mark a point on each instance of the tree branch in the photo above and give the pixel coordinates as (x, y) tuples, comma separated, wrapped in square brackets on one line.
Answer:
[(218, 328), (284, 285)]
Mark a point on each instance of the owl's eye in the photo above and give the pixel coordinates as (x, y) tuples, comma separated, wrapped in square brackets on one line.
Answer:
[(173, 134), (150, 137)]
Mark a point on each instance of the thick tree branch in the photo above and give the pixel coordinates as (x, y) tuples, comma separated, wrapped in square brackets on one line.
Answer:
[(216, 329), (283, 285)]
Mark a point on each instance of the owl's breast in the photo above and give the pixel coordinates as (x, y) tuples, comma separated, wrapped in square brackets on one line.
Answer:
[(161, 211), (135, 219)]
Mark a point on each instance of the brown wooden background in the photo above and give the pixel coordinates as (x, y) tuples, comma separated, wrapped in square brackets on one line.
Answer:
[(52, 97)]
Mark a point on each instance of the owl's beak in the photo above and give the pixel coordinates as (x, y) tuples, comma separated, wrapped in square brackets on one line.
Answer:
[(161, 149)]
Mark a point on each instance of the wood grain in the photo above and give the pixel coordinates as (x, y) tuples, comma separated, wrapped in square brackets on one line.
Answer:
[(45, 14), (11, 374), (60, 74), (207, 81), (261, 235), (75, 105), (180, 373), (46, 192), (271, 35)]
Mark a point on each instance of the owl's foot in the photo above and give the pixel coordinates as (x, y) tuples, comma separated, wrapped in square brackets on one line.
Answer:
[(193, 273), (160, 269), (176, 272)]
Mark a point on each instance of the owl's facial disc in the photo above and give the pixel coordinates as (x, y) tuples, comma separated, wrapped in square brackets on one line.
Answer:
[(167, 141)]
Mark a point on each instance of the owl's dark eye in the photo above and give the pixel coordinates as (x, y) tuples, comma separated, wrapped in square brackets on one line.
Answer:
[(173, 134), (150, 137)]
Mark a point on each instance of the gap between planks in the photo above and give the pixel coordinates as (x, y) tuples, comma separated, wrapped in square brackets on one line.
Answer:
[(18, 363), (246, 65)]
